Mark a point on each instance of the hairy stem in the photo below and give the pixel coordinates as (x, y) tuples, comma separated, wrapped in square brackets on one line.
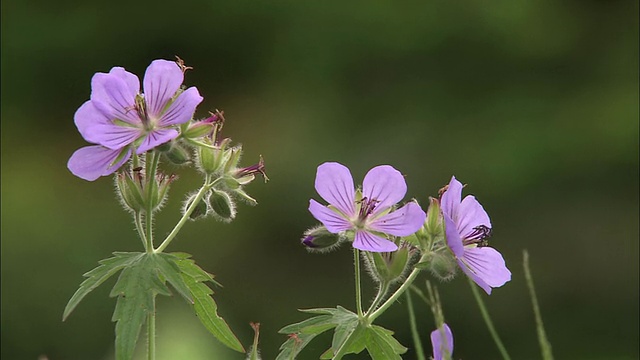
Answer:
[(414, 329), (382, 292), (140, 228), (150, 171), (545, 345), (487, 320), (356, 260)]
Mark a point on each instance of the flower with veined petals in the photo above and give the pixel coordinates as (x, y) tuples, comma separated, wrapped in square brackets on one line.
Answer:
[(118, 117), (467, 227), (442, 343), (370, 217)]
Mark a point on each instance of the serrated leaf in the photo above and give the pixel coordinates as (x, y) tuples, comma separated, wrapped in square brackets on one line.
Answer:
[(189, 267), (343, 332), (292, 347), (205, 307), (312, 325), (381, 345), (168, 267), (136, 289), (353, 344), (106, 269)]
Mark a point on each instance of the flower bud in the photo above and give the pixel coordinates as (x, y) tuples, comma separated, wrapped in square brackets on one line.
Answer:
[(320, 239), (442, 265), (200, 210), (176, 154), (130, 190), (434, 224), (207, 127), (213, 157), (222, 205), (390, 266)]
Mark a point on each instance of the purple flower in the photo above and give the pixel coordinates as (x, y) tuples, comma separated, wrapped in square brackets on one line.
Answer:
[(370, 217), (118, 117), (442, 346), (467, 227)]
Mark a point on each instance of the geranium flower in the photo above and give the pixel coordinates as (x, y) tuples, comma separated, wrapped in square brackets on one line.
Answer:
[(369, 217), (467, 227), (442, 346), (118, 116)]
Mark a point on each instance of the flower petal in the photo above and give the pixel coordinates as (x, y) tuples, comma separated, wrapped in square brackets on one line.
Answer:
[(334, 184), (87, 118), (155, 138), (367, 241), (451, 198), (454, 241), (384, 184), (442, 345), (132, 81), (91, 162), (470, 215), (181, 110), (161, 81), (333, 221), (485, 266), (113, 96), (402, 222)]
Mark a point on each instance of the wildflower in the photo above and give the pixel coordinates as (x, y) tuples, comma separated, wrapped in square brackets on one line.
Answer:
[(467, 227), (118, 117), (369, 215), (442, 343)]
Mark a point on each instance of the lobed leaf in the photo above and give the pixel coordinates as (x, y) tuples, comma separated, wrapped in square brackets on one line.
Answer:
[(381, 344), (168, 267), (106, 269), (204, 306)]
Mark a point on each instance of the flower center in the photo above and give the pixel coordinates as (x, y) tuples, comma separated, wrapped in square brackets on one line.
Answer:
[(141, 109), (366, 208), (478, 236)]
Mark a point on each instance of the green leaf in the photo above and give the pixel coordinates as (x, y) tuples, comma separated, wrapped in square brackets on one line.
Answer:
[(168, 267), (314, 325), (292, 347), (136, 289), (381, 344), (203, 304), (354, 342), (108, 267)]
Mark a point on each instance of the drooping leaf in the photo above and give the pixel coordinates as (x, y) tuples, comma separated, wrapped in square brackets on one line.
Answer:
[(168, 267), (106, 269), (203, 304), (354, 342), (136, 289), (381, 344), (292, 347)]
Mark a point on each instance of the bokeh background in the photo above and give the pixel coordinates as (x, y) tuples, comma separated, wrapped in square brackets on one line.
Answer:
[(533, 104)]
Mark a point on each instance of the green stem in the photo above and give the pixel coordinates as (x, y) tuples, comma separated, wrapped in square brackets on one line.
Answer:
[(407, 283), (545, 345), (140, 229), (151, 331), (382, 292), (183, 220), (356, 260), (487, 320), (150, 171), (414, 328)]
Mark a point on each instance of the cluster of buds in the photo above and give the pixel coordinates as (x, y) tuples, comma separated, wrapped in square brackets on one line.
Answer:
[(137, 194)]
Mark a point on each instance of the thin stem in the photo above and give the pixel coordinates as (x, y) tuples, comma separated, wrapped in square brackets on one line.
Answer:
[(545, 345), (140, 229), (382, 292), (356, 260), (183, 220), (414, 328), (150, 171), (405, 285), (487, 320), (151, 331)]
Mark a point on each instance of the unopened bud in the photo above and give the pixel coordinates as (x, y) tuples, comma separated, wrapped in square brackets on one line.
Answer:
[(199, 211), (442, 265), (213, 157), (176, 154), (222, 205), (434, 223), (130, 190), (207, 127), (320, 239), (390, 266)]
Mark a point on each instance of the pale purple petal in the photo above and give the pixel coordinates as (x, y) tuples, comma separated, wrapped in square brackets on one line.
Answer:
[(442, 345), (454, 241), (486, 267), (87, 118), (132, 81), (402, 222), (384, 184), (451, 199), (91, 162), (334, 184), (470, 215), (161, 81), (155, 138), (333, 221), (367, 241), (114, 136), (114, 98), (182, 109)]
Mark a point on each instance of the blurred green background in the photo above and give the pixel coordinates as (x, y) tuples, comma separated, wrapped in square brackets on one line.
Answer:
[(534, 104)]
